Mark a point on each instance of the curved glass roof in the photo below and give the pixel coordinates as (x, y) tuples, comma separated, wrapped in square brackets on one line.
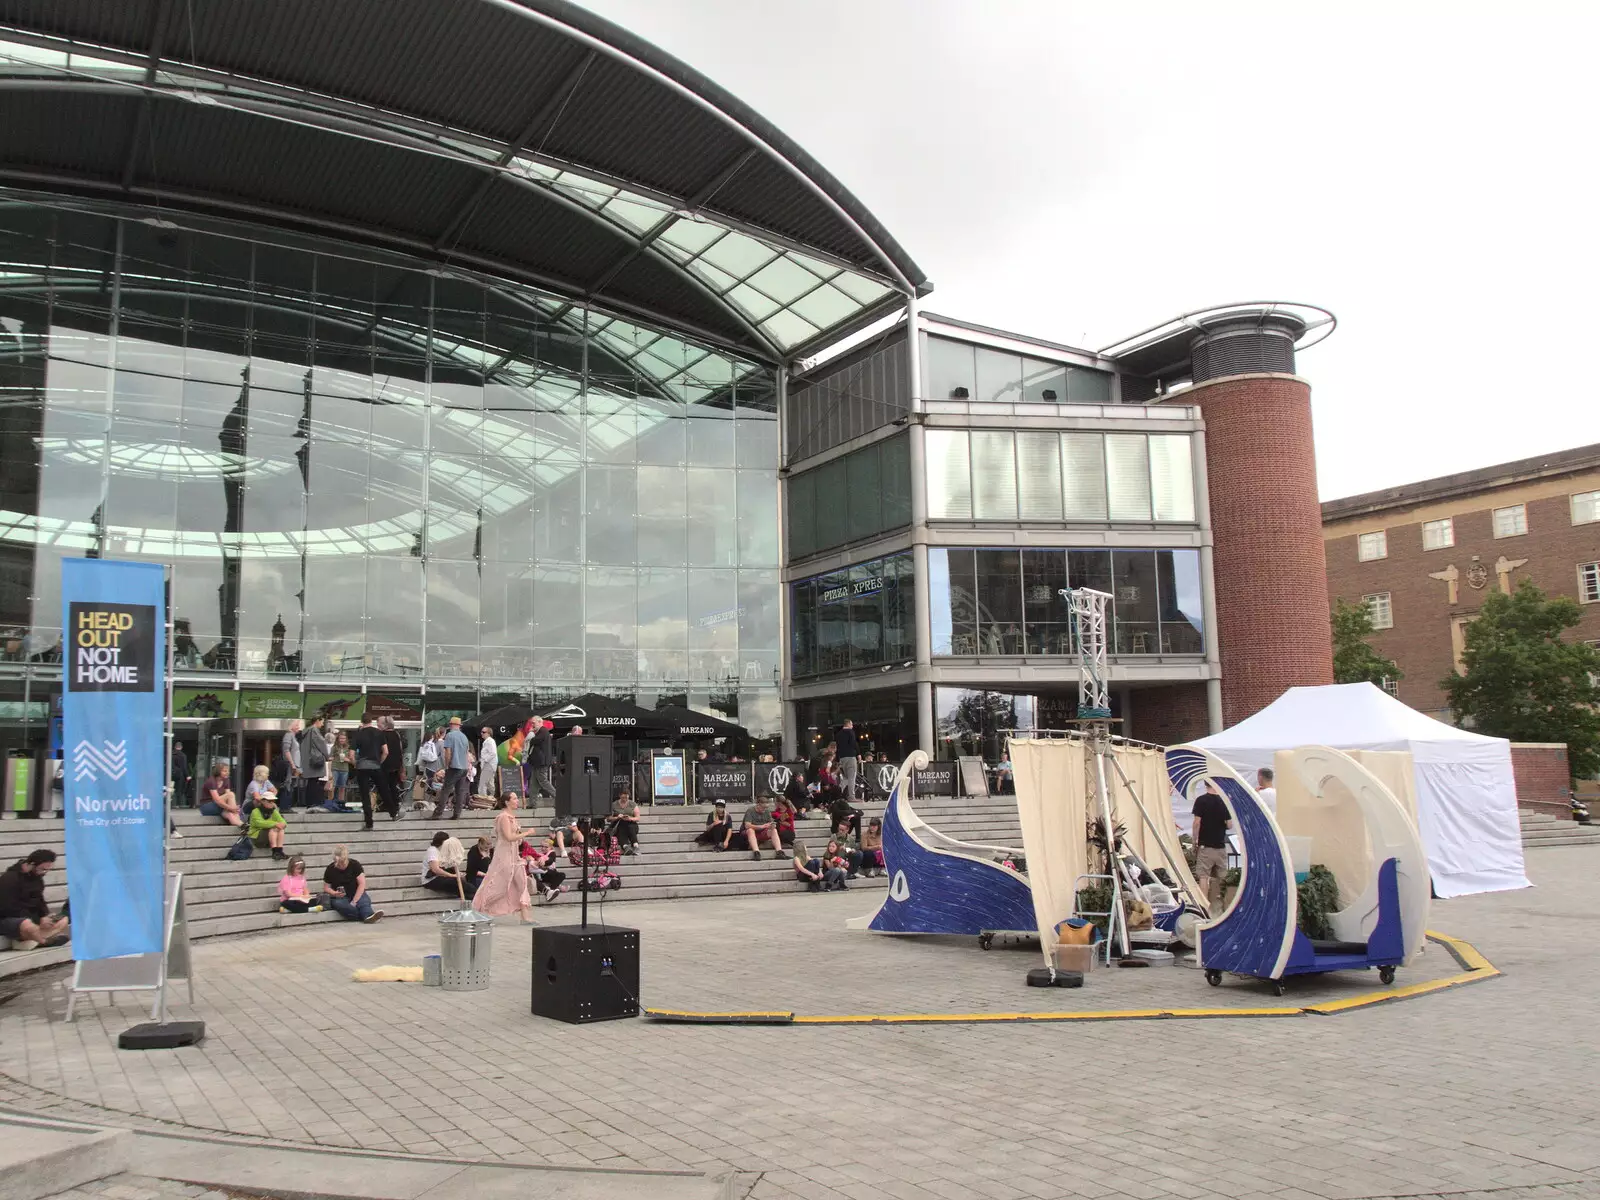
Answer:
[(529, 139)]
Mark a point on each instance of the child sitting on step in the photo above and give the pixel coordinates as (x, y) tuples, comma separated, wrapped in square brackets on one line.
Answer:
[(293, 894)]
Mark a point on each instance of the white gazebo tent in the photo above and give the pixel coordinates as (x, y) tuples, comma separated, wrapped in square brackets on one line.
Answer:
[(1466, 796)]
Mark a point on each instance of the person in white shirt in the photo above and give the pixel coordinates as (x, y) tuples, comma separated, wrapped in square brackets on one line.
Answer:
[(1266, 791), (488, 764), (429, 769)]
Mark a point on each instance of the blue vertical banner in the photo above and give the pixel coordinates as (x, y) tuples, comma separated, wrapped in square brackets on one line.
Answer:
[(113, 707)]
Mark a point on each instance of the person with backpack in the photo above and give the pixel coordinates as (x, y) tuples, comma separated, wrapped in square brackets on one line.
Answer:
[(429, 772)]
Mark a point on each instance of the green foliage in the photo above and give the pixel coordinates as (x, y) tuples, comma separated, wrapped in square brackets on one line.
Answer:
[(1354, 661), (1524, 681), (1319, 896), (1096, 898)]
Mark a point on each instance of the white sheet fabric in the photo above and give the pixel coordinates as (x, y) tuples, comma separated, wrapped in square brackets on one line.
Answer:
[(1466, 794)]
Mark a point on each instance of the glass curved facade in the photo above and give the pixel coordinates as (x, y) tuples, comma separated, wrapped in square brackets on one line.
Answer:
[(362, 469)]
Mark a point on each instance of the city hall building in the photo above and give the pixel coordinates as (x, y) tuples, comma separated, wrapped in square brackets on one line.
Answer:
[(455, 352)]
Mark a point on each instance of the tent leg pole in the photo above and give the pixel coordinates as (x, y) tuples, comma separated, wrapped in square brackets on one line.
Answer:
[(1138, 802), (1118, 924)]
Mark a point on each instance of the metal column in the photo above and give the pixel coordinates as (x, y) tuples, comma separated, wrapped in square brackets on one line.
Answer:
[(1208, 586), (921, 605)]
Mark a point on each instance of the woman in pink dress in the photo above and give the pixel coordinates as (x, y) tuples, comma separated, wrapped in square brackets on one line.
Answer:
[(505, 886)]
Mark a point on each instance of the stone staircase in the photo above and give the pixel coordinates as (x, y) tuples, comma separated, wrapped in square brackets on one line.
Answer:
[(1542, 829), (224, 897)]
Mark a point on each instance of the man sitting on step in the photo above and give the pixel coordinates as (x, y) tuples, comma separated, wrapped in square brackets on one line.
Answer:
[(24, 916), (345, 888)]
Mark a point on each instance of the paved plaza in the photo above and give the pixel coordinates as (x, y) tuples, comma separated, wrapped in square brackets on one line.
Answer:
[(1486, 1090)]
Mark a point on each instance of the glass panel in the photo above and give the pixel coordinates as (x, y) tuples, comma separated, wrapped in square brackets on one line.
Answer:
[(394, 615), (899, 610), (610, 524), (963, 602), (803, 636), (506, 602), (994, 476), (833, 504), (1039, 476), (757, 441), (557, 606), (833, 621), (453, 618), (662, 529), (999, 376), (711, 441), (1043, 382), (610, 603), (758, 622), (1087, 386), (758, 519), (663, 610), (949, 475), (801, 493), (1137, 623), (1048, 621), (1171, 477), (940, 600), (1092, 569), (866, 614), (1083, 473), (1127, 477), (895, 459), (712, 518), (950, 369), (1182, 620), (865, 489), (713, 613), (999, 601)]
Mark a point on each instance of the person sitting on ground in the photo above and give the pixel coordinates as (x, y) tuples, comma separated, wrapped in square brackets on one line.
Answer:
[(345, 888), (783, 815), (833, 859), (872, 848), (478, 862), (267, 825), (624, 823), (24, 916), (759, 827), (293, 894), (217, 798), (808, 870), (718, 828), (541, 867), (436, 876)]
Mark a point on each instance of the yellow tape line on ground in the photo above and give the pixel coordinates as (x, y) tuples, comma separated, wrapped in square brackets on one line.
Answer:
[(1474, 969)]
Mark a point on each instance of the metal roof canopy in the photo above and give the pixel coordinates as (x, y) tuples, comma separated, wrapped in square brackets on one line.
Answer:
[(527, 138), (1162, 352)]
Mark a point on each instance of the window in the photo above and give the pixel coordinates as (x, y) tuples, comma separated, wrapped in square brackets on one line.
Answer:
[(1391, 685), (1381, 611), (1436, 535), (1589, 583), (1585, 508), (1372, 545), (1511, 521)]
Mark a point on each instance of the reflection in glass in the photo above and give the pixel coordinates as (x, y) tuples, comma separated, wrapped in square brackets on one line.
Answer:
[(1171, 477), (857, 617), (1182, 619), (1127, 477), (1138, 614), (949, 475), (999, 591), (999, 376), (346, 460), (950, 369), (994, 476), (1048, 620)]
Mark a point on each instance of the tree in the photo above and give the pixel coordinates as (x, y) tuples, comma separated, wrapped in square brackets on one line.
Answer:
[(1354, 661), (1524, 682)]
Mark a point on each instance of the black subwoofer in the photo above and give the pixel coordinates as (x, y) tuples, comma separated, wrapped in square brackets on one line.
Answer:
[(583, 974)]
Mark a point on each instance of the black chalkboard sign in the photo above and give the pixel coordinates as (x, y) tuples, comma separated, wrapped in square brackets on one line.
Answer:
[(723, 781)]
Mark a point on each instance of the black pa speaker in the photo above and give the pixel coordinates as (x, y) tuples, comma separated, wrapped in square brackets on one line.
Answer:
[(584, 786), (585, 973)]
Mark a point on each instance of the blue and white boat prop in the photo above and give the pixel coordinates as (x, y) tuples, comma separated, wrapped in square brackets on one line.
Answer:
[(940, 885), (1259, 934)]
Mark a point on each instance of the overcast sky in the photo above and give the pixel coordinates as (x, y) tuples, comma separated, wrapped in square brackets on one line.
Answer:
[(1081, 171)]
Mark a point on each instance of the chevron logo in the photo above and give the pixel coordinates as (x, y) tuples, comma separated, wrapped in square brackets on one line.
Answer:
[(90, 762)]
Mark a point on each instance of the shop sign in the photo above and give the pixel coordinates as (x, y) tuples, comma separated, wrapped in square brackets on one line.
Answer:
[(204, 704), (721, 618), (936, 779), (281, 706), (772, 779), (399, 708), (861, 587), (723, 781), (335, 706), (879, 778)]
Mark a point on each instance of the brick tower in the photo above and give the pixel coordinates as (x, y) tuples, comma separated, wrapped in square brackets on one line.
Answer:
[(1266, 524)]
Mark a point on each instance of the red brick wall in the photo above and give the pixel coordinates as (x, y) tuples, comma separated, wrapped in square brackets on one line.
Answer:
[(1169, 714), (1272, 592), (1420, 641), (1542, 777)]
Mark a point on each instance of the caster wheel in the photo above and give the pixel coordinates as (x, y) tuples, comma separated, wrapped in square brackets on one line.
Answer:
[(986, 941), (1386, 974), (1278, 987), (1214, 978)]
